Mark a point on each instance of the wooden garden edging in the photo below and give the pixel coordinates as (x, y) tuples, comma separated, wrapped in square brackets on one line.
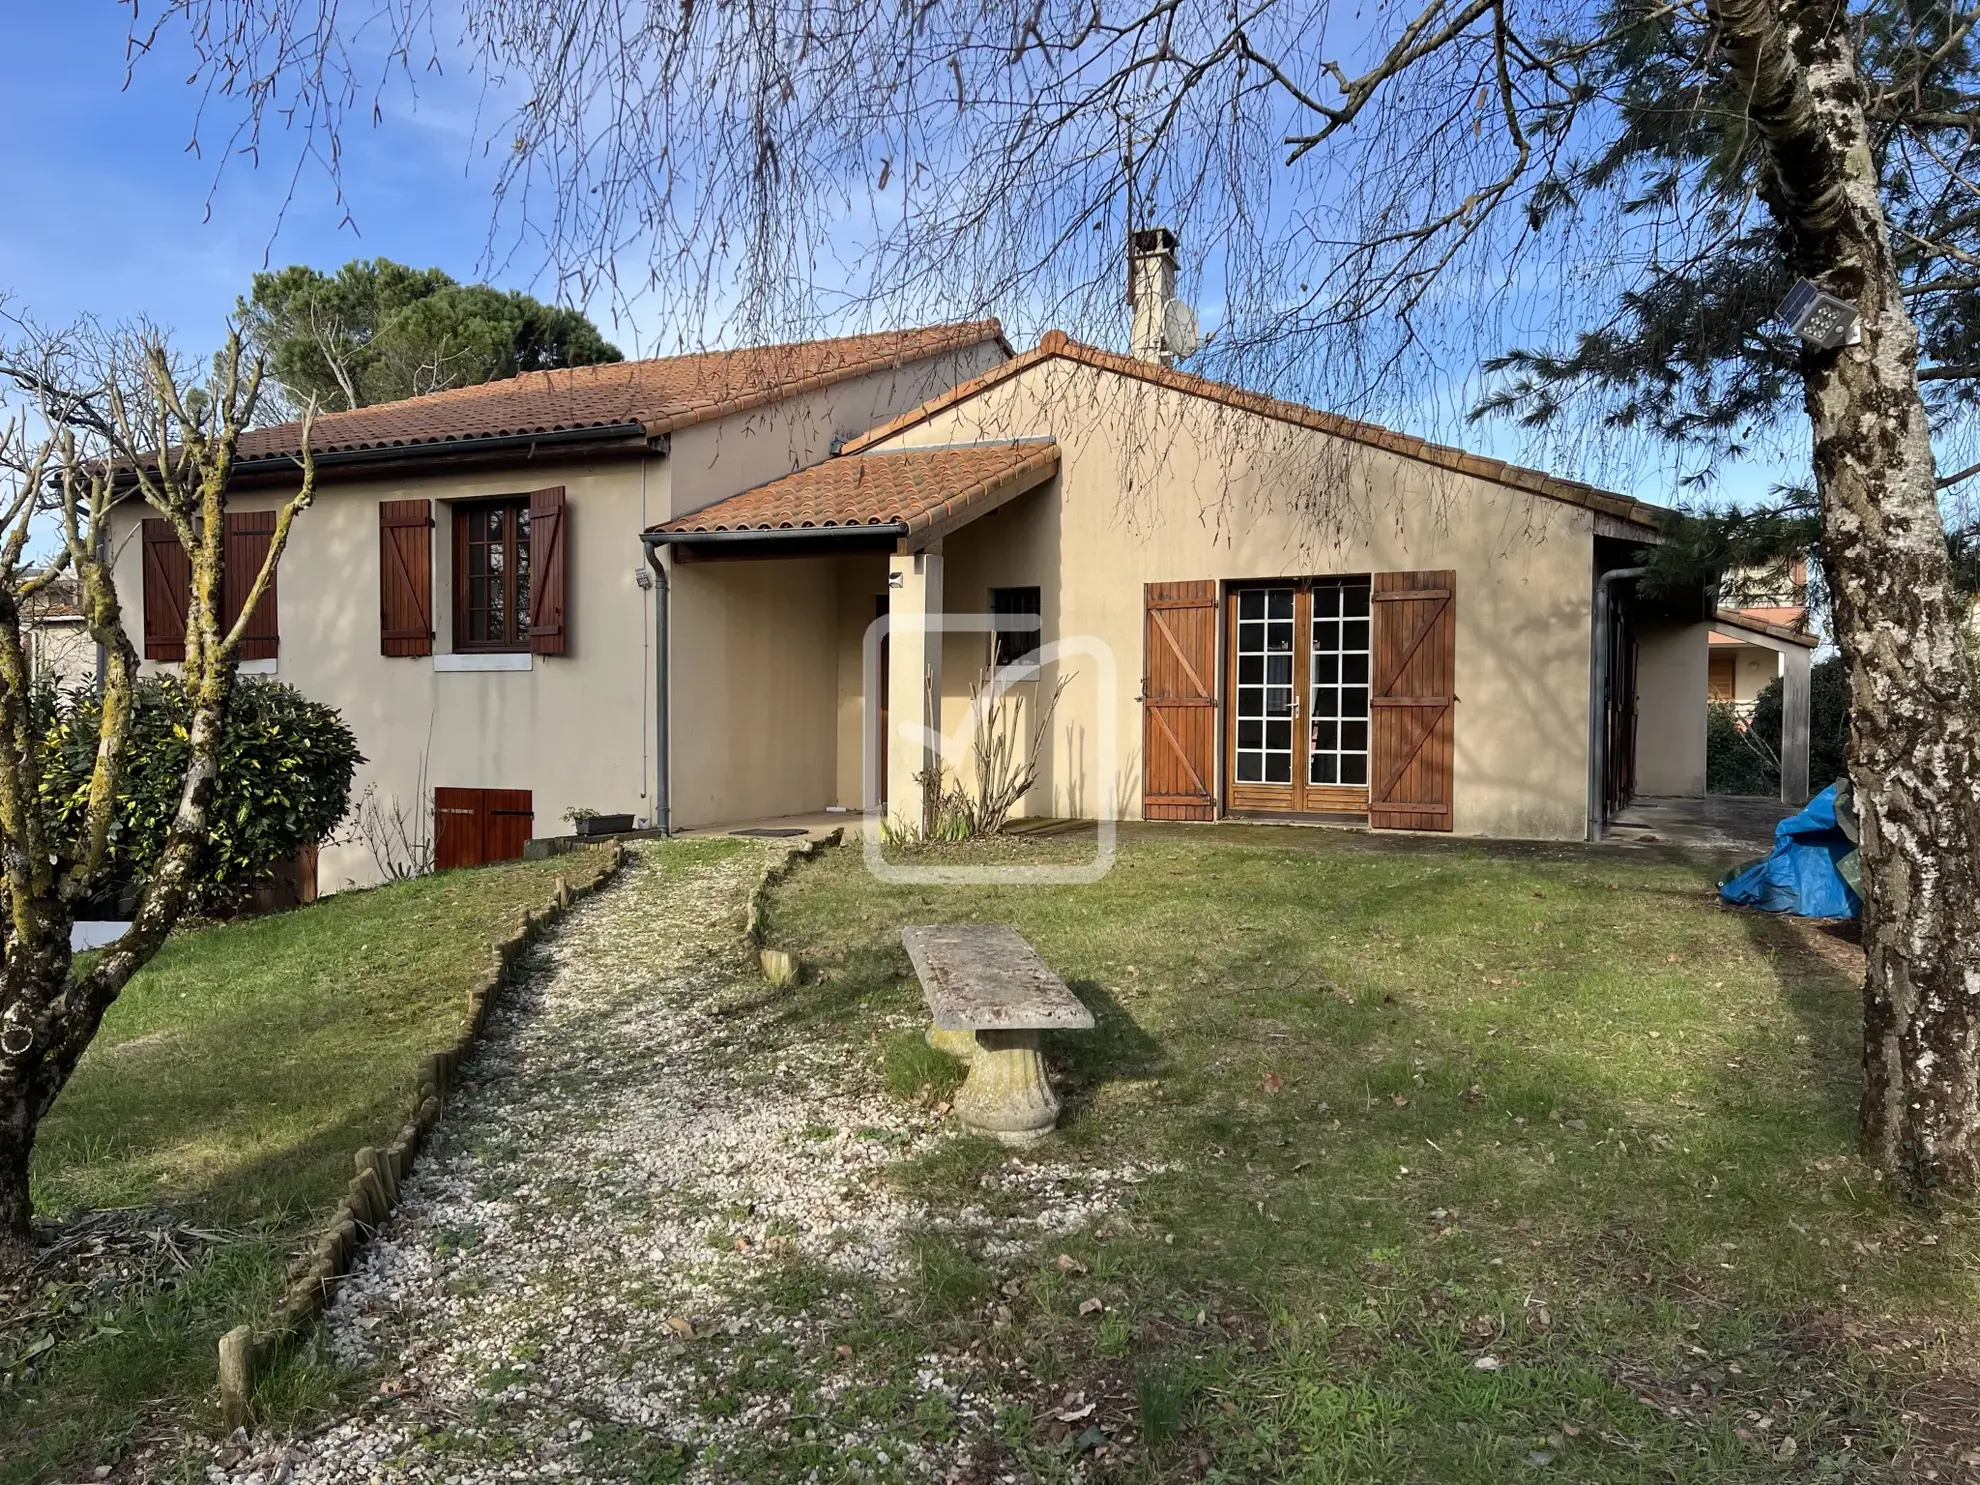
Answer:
[(246, 1352), (779, 966)]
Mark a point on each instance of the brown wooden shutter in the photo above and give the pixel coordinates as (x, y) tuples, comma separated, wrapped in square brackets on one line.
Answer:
[(249, 534), (405, 577), (546, 571), (1179, 702), (511, 820), (167, 592), (459, 822), (473, 827), (1413, 702)]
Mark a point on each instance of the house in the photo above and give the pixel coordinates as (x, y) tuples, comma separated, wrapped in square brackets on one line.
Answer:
[(59, 648), (1761, 635), (657, 588), (469, 591)]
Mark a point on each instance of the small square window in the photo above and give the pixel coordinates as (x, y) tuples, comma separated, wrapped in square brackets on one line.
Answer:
[(1017, 612)]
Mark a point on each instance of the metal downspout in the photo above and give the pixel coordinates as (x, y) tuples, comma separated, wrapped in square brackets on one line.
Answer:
[(662, 817), (1598, 708)]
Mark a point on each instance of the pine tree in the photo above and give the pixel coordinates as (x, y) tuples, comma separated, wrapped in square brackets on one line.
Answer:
[(377, 331)]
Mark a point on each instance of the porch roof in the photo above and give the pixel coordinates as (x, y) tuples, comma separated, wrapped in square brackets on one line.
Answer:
[(1762, 621), (916, 493)]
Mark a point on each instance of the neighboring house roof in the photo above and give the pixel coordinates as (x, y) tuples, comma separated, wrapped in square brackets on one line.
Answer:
[(58, 603), (661, 395), (1755, 621), (1787, 615), (916, 492), (1056, 344)]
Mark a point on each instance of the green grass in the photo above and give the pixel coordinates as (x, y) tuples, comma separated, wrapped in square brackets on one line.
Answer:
[(230, 1084), (1424, 1105)]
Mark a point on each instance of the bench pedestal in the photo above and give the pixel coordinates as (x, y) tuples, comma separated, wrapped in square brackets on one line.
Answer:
[(1007, 1095), (960, 1045)]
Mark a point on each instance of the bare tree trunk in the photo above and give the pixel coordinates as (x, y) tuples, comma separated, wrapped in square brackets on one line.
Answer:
[(1912, 753), (181, 466), (58, 1019)]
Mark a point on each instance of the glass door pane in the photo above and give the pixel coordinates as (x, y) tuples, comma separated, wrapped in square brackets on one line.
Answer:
[(1337, 742), (1265, 695)]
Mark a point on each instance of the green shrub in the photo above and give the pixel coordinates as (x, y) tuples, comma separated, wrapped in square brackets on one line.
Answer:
[(1739, 754), (1735, 765), (284, 782)]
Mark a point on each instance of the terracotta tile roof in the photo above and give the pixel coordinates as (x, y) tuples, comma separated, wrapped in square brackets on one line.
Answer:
[(1756, 621), (1056, 344), (59, 602), (662, 395), (1787, 615), (927, 490)]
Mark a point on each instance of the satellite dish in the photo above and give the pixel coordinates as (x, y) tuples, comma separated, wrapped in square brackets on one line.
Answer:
[(1180, 336)]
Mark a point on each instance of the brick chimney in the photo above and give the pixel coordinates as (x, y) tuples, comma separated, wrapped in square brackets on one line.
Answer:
[(1151, 285)]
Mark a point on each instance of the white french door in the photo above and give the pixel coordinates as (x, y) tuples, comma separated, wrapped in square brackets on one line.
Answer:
[(1297, 696)]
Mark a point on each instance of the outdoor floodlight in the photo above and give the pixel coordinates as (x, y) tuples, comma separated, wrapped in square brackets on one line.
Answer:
[(1822, 320)]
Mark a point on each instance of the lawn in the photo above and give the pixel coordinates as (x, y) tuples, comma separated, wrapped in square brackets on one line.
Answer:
[(1479, 1165), (228, 1087)]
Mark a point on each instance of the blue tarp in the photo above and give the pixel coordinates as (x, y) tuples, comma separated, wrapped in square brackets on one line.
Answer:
[(1803, 874)]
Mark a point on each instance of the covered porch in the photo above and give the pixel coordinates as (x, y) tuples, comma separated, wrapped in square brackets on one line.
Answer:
[(805, 622)]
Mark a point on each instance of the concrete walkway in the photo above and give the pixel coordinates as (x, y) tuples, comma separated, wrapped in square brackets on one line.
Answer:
[(1734, 824)]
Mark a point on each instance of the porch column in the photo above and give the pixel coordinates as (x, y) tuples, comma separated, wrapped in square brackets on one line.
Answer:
[(1795, 665), (914, 685)]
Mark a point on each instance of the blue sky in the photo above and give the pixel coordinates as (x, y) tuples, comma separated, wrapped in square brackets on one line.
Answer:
[(117, 217)]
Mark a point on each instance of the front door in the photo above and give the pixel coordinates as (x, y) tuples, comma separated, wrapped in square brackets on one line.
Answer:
[(1297, 684)]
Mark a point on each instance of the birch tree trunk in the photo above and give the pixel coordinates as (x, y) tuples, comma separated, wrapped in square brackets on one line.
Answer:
[(1912, 756)]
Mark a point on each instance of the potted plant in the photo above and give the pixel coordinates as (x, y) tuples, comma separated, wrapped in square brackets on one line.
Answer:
[(589, 823)]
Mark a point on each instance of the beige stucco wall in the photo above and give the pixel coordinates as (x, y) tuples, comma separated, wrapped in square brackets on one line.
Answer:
[(572, 728), (754, 684), (62, 652), (757, 647), (715, 460), (1158, 486), (1754, 669), (1671, 664), (755, 689), (862, 581)]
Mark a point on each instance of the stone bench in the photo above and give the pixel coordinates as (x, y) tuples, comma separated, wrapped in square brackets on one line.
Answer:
[(990, 995)]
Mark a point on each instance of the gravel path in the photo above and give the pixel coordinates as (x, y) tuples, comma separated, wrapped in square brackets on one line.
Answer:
[(645, 1229)]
